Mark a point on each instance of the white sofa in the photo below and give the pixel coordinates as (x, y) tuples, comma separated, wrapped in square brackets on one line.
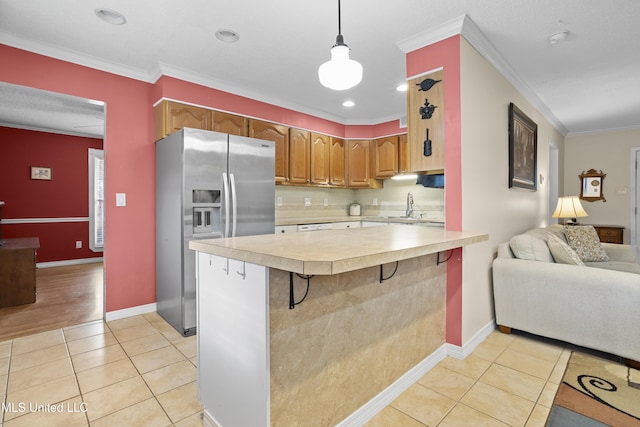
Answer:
[(596, 305)]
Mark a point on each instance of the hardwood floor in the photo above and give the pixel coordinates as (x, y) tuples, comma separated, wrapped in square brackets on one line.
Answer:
[(65, 296)]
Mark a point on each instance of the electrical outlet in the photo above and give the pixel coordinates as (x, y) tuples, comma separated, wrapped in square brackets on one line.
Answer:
[(307, 201), (375, 201), (278, 201), (78, 244), (326, 202)]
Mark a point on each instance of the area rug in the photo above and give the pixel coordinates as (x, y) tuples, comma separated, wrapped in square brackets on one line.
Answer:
[(596, 392)]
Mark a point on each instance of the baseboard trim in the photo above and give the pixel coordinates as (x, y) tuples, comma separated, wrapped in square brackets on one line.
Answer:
[(50, 264), (129, 312), (388, 395)]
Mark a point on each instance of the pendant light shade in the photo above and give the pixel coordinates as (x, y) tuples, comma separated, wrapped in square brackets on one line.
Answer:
[(341, 72)]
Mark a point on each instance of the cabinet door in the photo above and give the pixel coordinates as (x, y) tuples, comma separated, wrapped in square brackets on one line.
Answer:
[(385, 157), (229, 123), (417, 125), (336, 162), (280, 135), (403, 153), (320, 153), (358, 155), (299, 157), (172, 116)]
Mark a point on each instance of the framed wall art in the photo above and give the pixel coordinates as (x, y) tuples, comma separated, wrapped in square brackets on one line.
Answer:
[(38, 172), (523, 150), (591, 183)]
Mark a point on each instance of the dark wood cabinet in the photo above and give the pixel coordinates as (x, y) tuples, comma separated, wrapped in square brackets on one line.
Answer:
[(609, 233), (18, 271)]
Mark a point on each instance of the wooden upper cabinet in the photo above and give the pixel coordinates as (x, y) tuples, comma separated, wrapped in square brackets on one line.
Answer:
[(320, 158), (358, 167), (336, 162), (229, 123), (385, 157), (170, 116), (419, 101), (404, 152), (280, 135), (299, 156)]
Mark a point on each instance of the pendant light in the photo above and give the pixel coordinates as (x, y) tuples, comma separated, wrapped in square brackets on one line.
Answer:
[(341, 72)]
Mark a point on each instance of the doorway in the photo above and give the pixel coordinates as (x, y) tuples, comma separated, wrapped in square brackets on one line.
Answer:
[(69, 290)]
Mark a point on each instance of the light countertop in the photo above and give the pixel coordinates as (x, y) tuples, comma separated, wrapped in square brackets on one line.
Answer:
[(337, 251), (346, 218)]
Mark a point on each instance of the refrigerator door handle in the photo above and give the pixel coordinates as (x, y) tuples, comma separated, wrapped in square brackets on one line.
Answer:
[(235, 204), (225, 183)]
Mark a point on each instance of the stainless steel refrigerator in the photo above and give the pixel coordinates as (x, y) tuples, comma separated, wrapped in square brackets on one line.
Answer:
[(208, 185)]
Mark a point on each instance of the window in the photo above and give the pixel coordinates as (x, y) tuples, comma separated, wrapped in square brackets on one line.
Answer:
[(96, 200)]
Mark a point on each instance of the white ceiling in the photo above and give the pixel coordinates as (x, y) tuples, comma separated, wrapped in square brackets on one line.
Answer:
[(590, 82)]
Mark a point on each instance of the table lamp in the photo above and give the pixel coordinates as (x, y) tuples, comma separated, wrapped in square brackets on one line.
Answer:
[(569, 207)]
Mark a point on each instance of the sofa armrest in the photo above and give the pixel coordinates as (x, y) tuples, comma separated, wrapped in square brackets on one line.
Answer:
[(623, 253)]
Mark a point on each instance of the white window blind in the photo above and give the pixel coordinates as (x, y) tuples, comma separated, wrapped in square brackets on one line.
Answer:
[(96, 200)]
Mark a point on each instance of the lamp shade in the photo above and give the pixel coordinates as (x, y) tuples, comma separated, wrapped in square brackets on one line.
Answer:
[(569, 207), (341, 72)]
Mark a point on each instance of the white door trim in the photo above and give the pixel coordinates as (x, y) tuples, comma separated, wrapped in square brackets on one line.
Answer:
[(634, 230)]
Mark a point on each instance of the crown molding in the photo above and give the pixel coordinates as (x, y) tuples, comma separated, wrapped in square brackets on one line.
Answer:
[(463, 25), (432, 35), (72, 56)]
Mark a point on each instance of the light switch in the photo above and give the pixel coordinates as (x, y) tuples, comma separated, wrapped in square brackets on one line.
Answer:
[(121, 199)]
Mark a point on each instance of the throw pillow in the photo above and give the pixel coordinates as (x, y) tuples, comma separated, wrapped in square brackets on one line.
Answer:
[(585, 241), (525, 246), (562, 252)]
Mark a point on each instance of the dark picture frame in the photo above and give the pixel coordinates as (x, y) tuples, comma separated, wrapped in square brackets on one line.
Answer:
[(523, 150)]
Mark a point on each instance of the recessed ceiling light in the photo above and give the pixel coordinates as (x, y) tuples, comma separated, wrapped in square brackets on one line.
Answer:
[(402, 87), (558, 37), (110, 16), (227, 36), (348, 104)]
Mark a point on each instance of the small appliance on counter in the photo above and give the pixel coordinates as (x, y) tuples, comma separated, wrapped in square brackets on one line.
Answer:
[(354, 209)]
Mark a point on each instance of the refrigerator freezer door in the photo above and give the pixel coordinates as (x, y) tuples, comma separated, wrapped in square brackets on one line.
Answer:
[(252, 163), (205, 158)]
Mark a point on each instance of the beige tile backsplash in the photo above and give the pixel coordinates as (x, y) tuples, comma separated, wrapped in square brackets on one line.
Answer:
[(388, 201)]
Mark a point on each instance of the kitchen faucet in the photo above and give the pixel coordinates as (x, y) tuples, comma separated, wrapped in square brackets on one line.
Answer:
[(409, 204)]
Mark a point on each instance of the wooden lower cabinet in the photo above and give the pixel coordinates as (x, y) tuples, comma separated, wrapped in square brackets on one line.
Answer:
[(280, 135), (18, 271)]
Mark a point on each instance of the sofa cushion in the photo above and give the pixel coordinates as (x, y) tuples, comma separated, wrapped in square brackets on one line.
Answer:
[(585, 241), (562, 252), (629, 267), (525, 246)]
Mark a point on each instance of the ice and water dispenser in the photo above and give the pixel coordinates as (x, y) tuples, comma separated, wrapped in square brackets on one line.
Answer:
[(206, 211)]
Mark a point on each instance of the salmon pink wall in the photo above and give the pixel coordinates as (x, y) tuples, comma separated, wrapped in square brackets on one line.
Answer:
[(446, 55), (65, 196), (129, 162)]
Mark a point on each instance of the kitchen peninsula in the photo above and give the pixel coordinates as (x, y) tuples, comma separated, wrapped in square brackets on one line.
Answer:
[(305, 328)]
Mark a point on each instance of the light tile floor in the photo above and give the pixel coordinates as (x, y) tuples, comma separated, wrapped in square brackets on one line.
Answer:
[(139, 371), (509, 380)]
